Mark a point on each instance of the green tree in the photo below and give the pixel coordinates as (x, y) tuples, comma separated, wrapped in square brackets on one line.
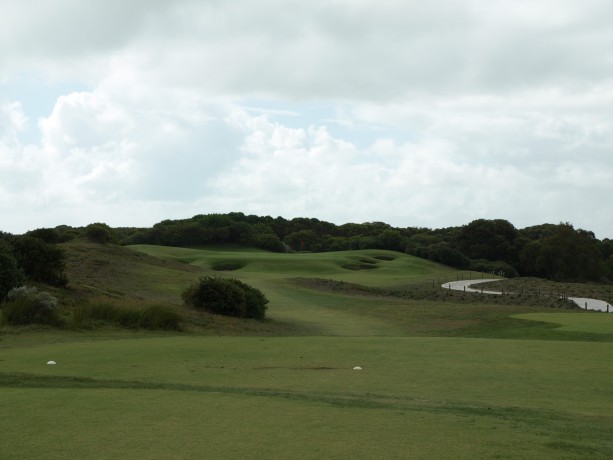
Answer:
[(488, 239), (391, 240), (302, 240), (10, 274), (40, 261), (48, 235), (99, 233), (448, 256), (565, 254)]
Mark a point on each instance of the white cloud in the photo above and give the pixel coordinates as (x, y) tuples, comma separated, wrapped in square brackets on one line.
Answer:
[(428, 113)]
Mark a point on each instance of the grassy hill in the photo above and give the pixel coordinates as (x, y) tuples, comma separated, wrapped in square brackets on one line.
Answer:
[(345, 293)]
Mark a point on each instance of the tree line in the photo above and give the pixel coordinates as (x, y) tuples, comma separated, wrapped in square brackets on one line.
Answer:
[(554, 251), (557, 252)]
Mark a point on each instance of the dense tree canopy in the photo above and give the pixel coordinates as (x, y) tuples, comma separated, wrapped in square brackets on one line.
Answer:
[(11, 274), (26, 257), (554, 251)]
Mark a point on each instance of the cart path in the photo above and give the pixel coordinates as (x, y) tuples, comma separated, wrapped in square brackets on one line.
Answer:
[(582, 302)]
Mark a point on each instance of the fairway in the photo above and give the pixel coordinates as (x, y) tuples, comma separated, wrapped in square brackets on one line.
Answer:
[(369, 267), (299, 397), (320, 312)]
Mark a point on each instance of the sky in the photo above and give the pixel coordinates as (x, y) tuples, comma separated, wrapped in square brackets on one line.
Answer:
[(417, 114)]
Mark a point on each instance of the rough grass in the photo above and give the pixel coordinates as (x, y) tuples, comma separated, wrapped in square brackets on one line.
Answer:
[(127, 313), (95, 269), (537, 288)]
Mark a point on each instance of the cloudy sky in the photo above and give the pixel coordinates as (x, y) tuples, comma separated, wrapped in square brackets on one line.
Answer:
[(428, 114)]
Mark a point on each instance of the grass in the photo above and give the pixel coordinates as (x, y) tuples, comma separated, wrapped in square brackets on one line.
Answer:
[(590, 323), (445, 374), (291, 397)]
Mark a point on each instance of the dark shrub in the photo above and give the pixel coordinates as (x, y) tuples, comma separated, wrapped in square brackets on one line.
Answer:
[(256, 302), (227, 297), (99, 233), (27, 305)]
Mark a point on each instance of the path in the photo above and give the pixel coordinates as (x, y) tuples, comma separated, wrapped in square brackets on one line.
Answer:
[(582, 302)]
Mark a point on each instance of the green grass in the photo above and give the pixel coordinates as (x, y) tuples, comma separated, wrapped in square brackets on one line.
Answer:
[(590, 322), (260, 264), (300, 398), (445, 374), (400, 297)]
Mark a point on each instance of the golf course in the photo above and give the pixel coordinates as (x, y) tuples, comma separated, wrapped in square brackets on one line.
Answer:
[(361, 355)]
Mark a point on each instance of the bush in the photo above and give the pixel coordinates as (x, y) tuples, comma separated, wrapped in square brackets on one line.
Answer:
[(255, 300), (27, 305), (99, 233), (224, 296)]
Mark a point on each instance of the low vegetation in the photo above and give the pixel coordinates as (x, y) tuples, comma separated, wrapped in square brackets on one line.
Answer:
[(127, 314), (27, 305)]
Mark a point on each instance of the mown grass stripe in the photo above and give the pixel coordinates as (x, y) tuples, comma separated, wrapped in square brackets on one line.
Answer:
[(369, 400)]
